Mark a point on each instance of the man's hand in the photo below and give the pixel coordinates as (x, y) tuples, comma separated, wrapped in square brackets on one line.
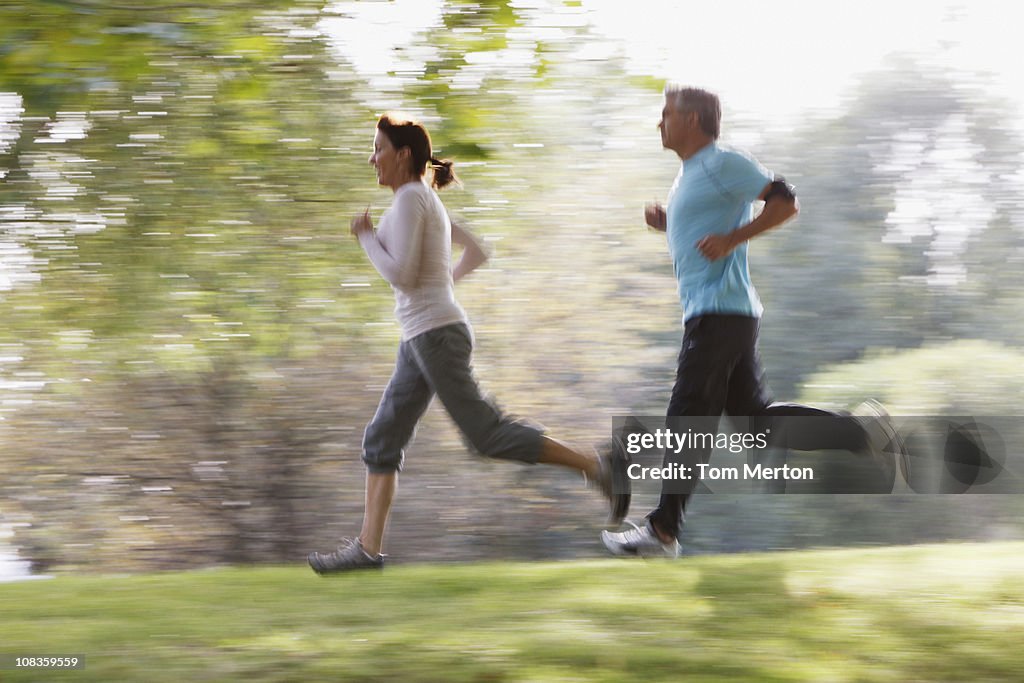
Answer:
[(777, 210), (361, 223), (654, 214), (715, 247)]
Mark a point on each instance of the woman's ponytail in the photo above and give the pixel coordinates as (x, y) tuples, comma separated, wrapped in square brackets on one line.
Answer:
[(443, 173)]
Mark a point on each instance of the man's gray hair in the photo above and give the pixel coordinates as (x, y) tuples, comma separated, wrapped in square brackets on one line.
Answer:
[(706, 104)]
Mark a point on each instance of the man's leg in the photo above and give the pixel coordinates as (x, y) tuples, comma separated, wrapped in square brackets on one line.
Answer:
[(870, 433), (815, 429), (700, 392)]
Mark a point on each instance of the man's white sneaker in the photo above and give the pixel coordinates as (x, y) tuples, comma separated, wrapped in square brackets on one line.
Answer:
[(639, 542)]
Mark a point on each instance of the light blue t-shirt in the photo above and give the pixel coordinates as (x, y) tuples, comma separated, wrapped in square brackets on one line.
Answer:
[(714, 193)]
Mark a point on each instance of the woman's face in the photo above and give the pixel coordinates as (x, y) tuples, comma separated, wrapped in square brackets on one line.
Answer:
[(387, 160)]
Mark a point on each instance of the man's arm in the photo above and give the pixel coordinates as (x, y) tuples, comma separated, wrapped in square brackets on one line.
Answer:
[(474, 254), (780, 205)]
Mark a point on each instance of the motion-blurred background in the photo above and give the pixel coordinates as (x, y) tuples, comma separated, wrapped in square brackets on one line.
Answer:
[(191, 342)]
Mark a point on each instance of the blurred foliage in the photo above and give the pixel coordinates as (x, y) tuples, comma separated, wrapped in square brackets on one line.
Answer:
[(894, 193), (935, 379), (193, 343), (177, 235)]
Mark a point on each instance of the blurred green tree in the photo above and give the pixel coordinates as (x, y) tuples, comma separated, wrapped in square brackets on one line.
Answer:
[(178, 193), (907, 209)]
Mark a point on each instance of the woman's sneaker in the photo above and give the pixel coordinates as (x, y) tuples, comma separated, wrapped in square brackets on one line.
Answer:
[(613, 480), (349, 555), (639, 542)]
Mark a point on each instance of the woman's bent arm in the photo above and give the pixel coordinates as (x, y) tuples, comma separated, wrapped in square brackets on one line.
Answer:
[(474, 253)]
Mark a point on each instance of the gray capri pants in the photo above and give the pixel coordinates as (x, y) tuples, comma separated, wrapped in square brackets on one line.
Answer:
[(438, 362)]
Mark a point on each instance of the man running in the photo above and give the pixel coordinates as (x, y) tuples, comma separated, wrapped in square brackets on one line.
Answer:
[(709, 220)]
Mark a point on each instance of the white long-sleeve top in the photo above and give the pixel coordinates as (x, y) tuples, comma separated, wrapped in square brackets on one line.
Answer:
[(412, 250)]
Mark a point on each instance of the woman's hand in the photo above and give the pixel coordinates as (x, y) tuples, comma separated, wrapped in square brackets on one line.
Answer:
[(654, 215), (361, 223)]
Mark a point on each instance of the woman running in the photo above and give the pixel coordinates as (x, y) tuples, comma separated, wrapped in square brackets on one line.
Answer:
[(411, 249)]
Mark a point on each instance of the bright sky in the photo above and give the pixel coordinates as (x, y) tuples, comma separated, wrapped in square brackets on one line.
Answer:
[(773, 63), (773, 60), (784, 57)]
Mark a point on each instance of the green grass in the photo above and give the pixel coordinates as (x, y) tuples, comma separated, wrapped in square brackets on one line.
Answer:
[(924, 613)]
